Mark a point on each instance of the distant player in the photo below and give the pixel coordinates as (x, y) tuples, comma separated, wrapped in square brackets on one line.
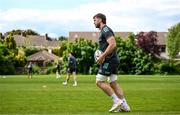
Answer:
[(109, 62), (58, 68), (71, 69), (30, 70)]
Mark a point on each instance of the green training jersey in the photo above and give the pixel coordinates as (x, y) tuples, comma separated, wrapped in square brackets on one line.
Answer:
[(105, 34)]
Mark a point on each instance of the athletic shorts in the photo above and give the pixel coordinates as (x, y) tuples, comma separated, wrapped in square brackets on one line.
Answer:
[(29, 70), (108, 68), (71, 70), (111, 78)]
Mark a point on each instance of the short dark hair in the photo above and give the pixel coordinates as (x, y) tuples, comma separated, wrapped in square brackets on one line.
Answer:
[(102, 16)]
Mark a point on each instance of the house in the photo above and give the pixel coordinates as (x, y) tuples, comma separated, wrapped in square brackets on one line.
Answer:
[(35, 41), (41, 58), (93, 35), (124, 35)]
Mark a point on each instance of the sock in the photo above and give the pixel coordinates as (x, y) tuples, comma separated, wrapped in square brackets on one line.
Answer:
[(75, 82), (114, 98), (124, 100)]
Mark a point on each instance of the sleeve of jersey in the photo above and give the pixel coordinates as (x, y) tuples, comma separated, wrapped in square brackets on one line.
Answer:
[(108, 34)]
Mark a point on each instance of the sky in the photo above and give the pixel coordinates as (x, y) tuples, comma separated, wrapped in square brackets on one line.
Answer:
[(59, 17)]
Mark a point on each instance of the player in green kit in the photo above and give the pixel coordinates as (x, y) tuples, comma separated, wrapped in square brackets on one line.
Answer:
[(109, 62)]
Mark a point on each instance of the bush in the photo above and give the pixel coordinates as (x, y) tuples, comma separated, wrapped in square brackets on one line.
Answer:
[(94, 69), (7, 69), (30, 51), (132, 59), (36, 69), (50, 70), (177, 65), (169, 68)]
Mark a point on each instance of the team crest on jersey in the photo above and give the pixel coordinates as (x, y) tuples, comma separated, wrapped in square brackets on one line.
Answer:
[(105, 29)]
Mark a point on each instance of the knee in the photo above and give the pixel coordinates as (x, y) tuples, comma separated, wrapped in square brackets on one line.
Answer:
[(113, 84), (98, 83)]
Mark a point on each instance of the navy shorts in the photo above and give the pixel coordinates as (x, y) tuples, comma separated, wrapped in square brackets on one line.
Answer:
[(108, 68), (30, 70), (71, 70)]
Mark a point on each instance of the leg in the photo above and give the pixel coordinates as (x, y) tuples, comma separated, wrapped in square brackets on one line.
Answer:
[(57, 75), (67, 79), (105, 87), (75, 79), (30, 75), (117, 89), (119, 92), (100, 82)]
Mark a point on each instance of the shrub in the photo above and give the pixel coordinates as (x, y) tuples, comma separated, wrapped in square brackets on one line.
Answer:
[(50, 70), (36, 69), (7, 69), (168, 67)]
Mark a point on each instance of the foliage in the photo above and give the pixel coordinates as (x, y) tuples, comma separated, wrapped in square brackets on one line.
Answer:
[(30, 51), (63, 47), (173, 41), (132, 59), (169, 67), (20, 58), (6, 60), (51, 70), (62, 38), (148, 42), (56, 51), (36, 69), (10, 42), (83, 50), (7, 68), (94, 69), (22, 32)]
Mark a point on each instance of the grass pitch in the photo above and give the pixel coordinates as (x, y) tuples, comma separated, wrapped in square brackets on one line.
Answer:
[(44, 94)]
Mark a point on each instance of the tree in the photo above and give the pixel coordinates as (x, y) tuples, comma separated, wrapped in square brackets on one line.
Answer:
[(22, 32), (20, 59), (83, 50), (30, 51), (10, 42), (148, 42), (30, 32), (6, 60), (132, 59), (62, 38), (63, 47), (173, 41)]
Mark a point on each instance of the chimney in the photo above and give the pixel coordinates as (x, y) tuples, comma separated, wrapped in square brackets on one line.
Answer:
[(50, 51), (1, 36), (46, 36)]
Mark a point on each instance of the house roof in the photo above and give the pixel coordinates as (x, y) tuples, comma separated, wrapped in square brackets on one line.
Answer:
[(35, 41), (124, 35), (162, 38), (42, 56), (93, 35)]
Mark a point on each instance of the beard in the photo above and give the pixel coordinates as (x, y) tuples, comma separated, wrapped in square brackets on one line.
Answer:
[(97, 25)]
